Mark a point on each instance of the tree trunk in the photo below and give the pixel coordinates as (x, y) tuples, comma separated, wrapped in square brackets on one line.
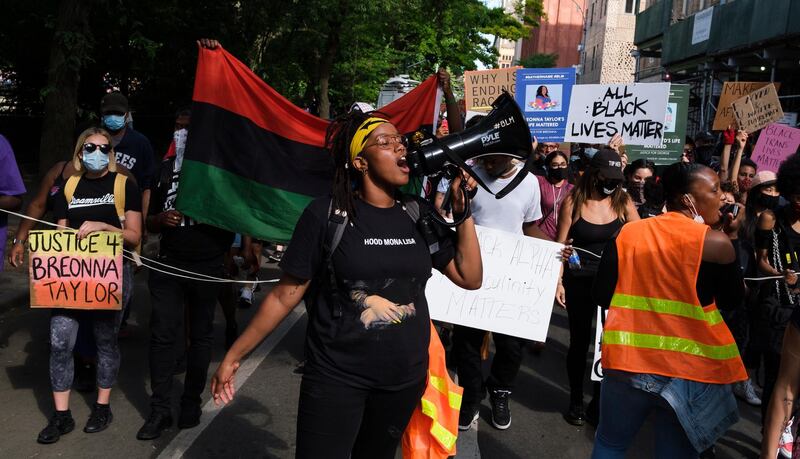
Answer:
[(326, 64), (67, 54)]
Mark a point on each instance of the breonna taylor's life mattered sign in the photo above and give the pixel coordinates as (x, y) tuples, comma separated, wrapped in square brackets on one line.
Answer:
[(520, 275), (67, 272), (635, 111)]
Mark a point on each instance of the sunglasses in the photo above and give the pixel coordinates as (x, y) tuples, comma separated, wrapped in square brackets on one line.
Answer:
[(91, 147)]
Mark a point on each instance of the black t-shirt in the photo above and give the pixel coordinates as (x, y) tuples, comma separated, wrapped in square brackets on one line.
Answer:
[(788, 250), (135, 153), (93, 200), (383, 256), (190, 241)]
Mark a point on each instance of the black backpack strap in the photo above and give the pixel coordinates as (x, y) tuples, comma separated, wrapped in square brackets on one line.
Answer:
[(411, 206), (337, 222)]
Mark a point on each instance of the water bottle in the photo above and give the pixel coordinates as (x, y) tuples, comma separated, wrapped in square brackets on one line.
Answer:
[(574, 261)]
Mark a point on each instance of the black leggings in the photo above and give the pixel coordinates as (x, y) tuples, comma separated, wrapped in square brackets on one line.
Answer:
[(336, 421), (581, 309)]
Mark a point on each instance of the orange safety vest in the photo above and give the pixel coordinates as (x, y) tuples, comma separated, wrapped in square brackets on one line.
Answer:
[(656, 323), (433, 429)]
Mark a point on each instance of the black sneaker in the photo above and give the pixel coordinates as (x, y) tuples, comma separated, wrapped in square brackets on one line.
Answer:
[(501, 413), (99, 419), (155, 424), (61, 423), (467, 416), (575, 416), (189, 417)]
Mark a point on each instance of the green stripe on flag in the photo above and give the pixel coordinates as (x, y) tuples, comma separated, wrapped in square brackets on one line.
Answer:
[(670, 343), (676, 308), (220, 198)]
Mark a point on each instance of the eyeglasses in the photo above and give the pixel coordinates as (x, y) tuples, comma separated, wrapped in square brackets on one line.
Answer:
[(91, 147), (388, 140)]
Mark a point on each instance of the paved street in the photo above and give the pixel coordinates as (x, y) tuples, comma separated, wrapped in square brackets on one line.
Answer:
[(261, 421)]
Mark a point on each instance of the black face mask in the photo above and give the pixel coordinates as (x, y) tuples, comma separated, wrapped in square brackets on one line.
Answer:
[(557, 173), (768, 202), (607, 187)]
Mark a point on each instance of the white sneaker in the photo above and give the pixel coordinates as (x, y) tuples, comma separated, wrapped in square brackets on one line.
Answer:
[(745, 391), (787, 441)]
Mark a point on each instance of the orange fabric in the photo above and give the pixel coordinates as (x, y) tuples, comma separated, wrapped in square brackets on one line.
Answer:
[(659, 259), (418, 440)]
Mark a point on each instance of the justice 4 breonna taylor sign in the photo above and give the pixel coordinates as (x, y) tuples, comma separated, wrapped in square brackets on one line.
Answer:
[(635, 111), (71, 273), (520, 275)]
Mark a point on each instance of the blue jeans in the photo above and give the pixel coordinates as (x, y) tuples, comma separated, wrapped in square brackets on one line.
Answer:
[(623, 411)]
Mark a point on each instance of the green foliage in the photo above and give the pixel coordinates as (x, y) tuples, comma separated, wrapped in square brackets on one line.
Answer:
[(147, 48), (539, 61)]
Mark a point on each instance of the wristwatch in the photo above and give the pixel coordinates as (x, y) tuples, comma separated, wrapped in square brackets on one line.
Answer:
[(19, 241)]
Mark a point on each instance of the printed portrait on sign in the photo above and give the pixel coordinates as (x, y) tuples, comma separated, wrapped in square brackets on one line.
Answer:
[(543, 97)]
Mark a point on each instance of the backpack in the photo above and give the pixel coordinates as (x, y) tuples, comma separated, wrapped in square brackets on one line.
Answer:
[(324, 283)]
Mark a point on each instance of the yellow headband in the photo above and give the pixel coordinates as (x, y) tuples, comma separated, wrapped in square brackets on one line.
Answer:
[(363, 131)]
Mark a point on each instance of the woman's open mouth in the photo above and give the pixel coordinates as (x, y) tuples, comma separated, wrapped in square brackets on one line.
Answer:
[(403, 165)]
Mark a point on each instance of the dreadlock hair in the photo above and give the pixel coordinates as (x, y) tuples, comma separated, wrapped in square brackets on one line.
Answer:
[(788, 182), (337, 140), (678, 179)]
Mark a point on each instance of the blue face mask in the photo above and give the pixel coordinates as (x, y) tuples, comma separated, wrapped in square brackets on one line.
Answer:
[(114, 122), (95, 161)]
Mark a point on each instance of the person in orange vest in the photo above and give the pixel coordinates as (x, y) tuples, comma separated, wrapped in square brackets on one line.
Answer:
[(666, 351)]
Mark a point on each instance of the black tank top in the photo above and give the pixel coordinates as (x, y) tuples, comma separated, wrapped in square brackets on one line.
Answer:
[(58, 185), (593, 238)]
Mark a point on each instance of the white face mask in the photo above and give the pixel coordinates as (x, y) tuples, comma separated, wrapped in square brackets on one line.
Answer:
[(697, 217), (179, 137)]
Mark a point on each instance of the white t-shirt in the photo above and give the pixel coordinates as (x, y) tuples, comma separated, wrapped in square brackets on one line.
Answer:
[(521, 205)]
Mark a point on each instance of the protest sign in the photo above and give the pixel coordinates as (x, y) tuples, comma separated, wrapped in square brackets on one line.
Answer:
[(597, 366), (731, 91), (789, 119), (775, 143), (520, 275), (758, 109), (67, 272), (674, 131), (482, 87), (543, 95), (634, 111)]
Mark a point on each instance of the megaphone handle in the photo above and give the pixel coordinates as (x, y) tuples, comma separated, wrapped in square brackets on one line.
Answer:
[(463, 164)]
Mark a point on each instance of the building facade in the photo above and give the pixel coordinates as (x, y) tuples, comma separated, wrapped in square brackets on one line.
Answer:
[(560, 32), (705, 43), (610, 27)]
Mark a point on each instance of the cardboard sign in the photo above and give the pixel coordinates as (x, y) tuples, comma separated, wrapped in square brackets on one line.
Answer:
[(775, 143), (482, 87), (597, 365), (758, 109), (520, 275), (71, 273), (635, 111), (674, 131), (544, 95), (731, 91)]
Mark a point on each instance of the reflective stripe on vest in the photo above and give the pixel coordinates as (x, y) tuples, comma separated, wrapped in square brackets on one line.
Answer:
[(442, 435), (676, 308), (671, 343), (453, 398)]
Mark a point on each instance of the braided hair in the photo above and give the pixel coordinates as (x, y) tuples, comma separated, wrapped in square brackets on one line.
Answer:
[(337, 140)]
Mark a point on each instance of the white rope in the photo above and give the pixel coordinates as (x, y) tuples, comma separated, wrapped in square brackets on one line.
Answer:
[(194, 276), (586, 251), (763, 278)]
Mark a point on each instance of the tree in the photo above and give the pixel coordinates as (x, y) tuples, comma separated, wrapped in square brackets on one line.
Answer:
[(539, 61)]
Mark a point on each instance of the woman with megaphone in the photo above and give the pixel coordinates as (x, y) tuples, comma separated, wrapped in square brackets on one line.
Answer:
[(361, 262)]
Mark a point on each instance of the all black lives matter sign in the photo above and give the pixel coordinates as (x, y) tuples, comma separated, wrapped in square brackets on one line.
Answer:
[(635, 111)]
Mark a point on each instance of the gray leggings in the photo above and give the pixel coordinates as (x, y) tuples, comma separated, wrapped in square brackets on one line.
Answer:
[(105, 324)]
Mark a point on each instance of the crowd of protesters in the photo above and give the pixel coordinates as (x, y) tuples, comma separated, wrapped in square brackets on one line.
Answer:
[(675, 253)]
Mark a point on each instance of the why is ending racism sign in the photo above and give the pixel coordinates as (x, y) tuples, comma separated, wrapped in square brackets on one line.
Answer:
[(634, 111), (71, 273)]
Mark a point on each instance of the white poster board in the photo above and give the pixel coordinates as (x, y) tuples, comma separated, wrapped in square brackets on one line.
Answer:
[(520, 275), (636, 111), (597, 366), (701, 29)]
